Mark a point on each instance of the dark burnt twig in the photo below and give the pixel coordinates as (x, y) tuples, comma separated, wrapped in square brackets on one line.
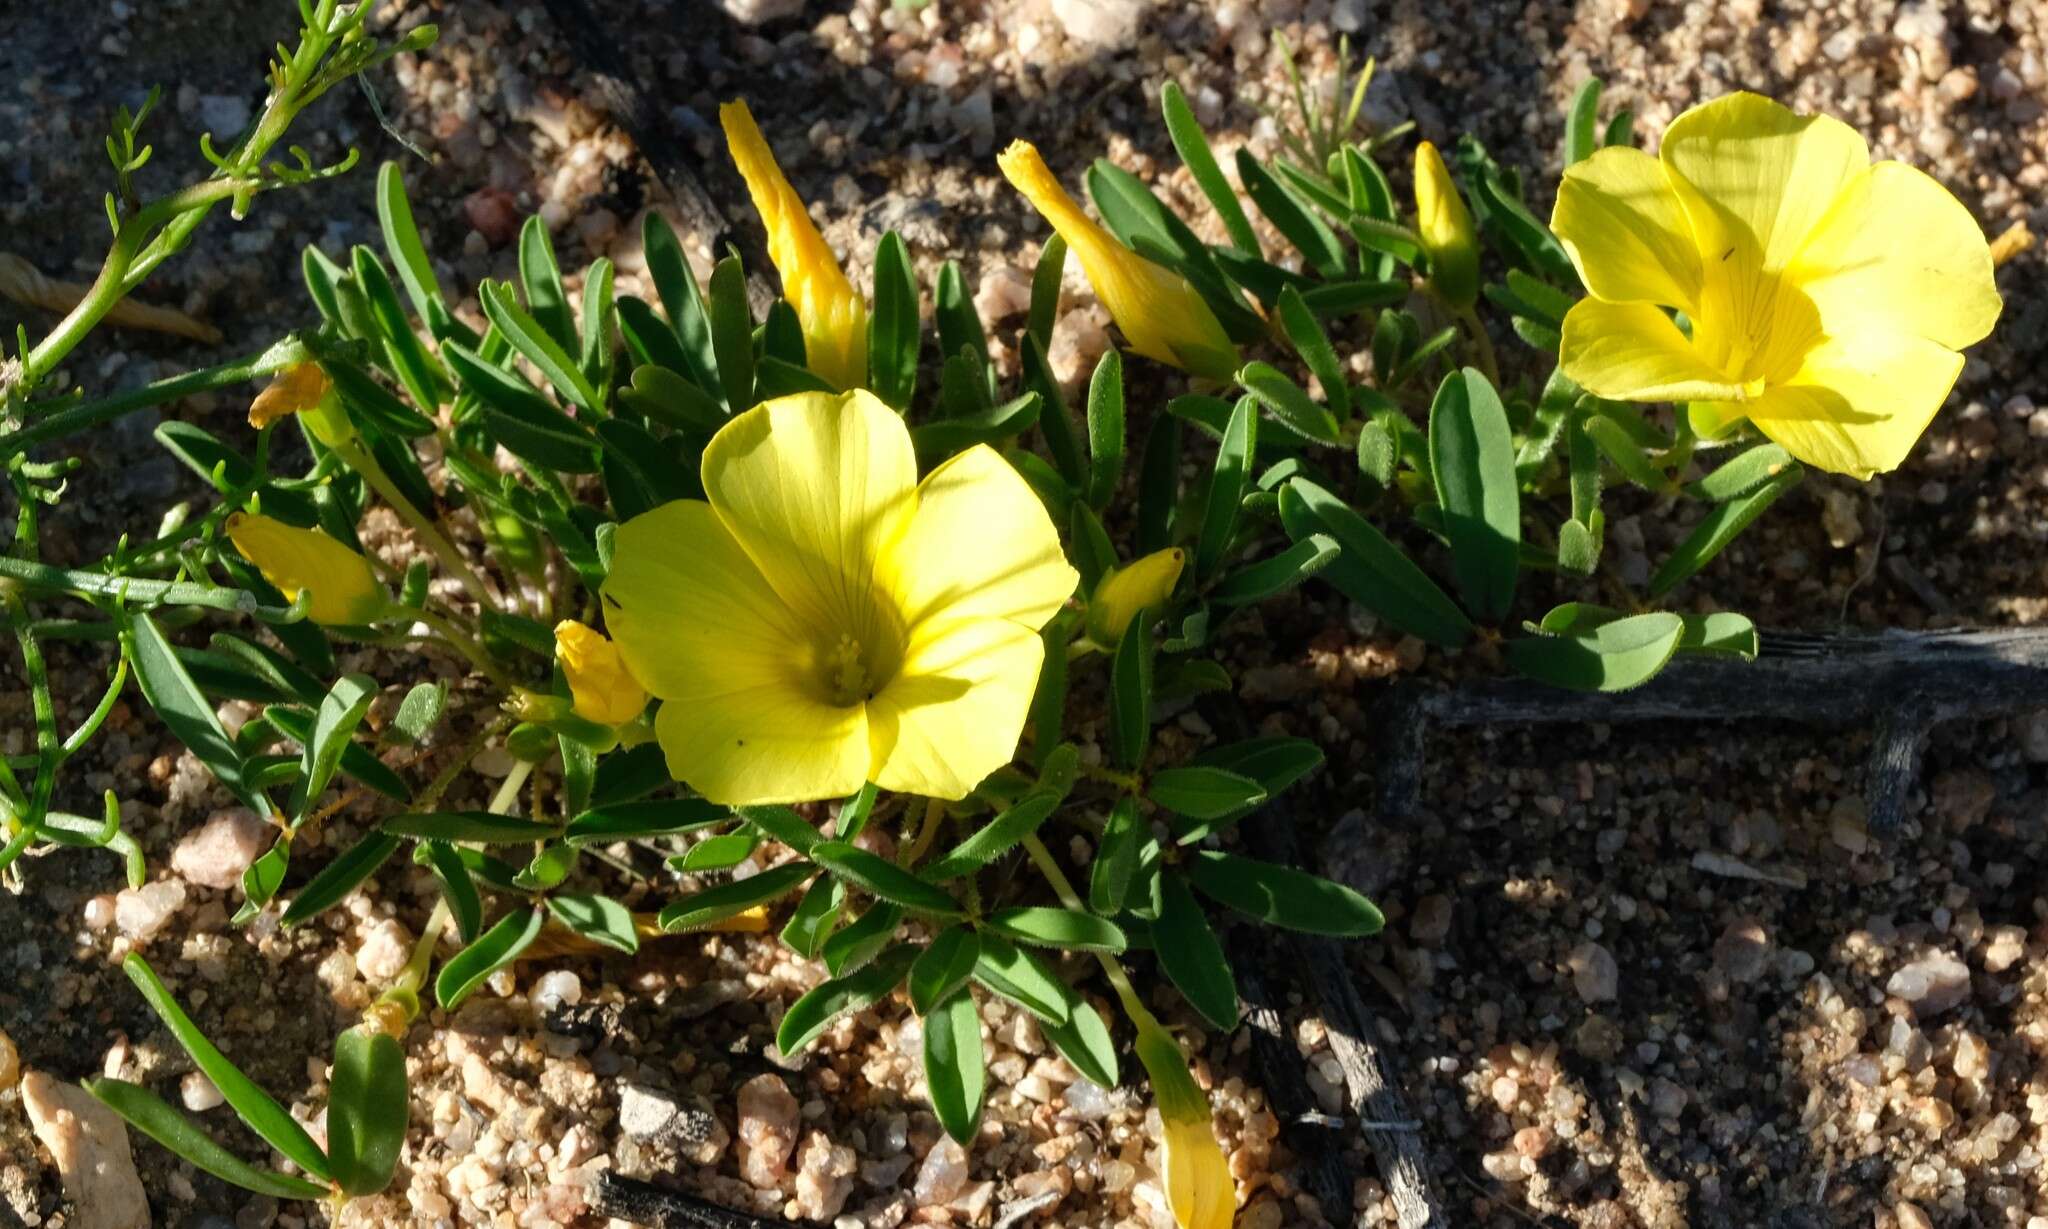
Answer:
[(695, 188), (643, 1203), (1901, 684)]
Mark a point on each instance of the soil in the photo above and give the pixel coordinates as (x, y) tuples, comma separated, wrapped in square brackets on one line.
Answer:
[(1633, 976)]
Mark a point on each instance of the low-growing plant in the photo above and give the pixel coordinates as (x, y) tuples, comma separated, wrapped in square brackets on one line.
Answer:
[(884, 695)]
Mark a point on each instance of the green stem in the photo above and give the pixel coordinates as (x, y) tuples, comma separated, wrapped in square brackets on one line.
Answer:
[(927, 829), (1482, 343), (1127, 994), (363, 463), (463, 643)]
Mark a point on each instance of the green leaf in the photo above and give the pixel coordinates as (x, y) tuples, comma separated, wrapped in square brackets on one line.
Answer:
[(457, 888), (1130, 692), (357, 761), (1370, 570), (493, 950), (254, 1106), (1045, 290), (1717, 529), (1317, 354), (1116, 858), (862, 939), (481, 827), (1723, 632), (1158, 485), (1227, 485), (895, 330), (671, 400), (515, 415), (717, 853), (883, 878), (1578, 547), (1289, 404), (1620, 129), (1313, 238), (732, 333), (1105, 429), (994, 838), (1744, 473), (713, 905), (811, 1014), (638, 821), (816, 913), (367, 1110), (541, 277), (1021, 977), (597, 918), (943, 967), (638, 474), (1083, 1040), (154, 1117), (1054, 424), (1193, 146), (1191, 956), (1581, 127), (1610, 657), (953, 1072), (1202, 792), (1344, 298), (1283, 896), (539, 346), (368, 402), (1269, 577), (783, 825), (1093, 553), (683, 301), (960, 330), (1472, 453), (184, 708), (408, 254), (419, 712), (407, 357), (340, 713), (1134, 214), (600, 322), (1061, 928), (340, 877), (942, 437)]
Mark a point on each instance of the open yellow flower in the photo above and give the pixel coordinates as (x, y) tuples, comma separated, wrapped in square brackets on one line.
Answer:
[(598, 680), (833, 315), (824, 619), (344, 589), (1828, 297), (1199, 1189), (1161, 315), (1446, 229)]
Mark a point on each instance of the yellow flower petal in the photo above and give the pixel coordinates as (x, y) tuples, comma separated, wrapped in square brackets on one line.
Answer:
[(744, 716), (1625, 230), (815, 487), (344, 589), (833, 315), (1446, 229), (1859, 403), (1198, 1185), (980, 546), (1124, 592), (1899, 254), (1159, 312), (598, 680), (954, 713), (1632, 352), (298, 387)]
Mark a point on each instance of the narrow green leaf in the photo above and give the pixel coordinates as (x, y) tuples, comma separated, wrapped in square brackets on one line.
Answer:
[(1116, 858), (943, 967), (1193, 146), (1020, 976), (1317, 354), (814, 917), (811, 1014), (408, 359), (340, 713), (1191, 956), (1717, 529), (1309, 234), (953, 1071), (883, 878), (540, 275), (1269, 577), (340, 877), (1370, 570), (1227, 485), (639, 821), (597, 918), (493, 950), (518, 417), (184, 708), (481, 827), (717, 853), (537, 343), (1283, 896), (1158, 485), (1130, 692), (1045, 290), (1472, 454), (713, 905), (732, 333), (1744, 473), (1083, 1040), (862, 939), (895, 330), (1054, 422), (783, 825), (994, 838), (155, 1117), (254, 1106), (367, 1110), (1202, 792), (682, 301), (1062, 928), (1105, 429), (1581, 127), (457, 888), (960, 331), (1289, 403), (1610, 657)]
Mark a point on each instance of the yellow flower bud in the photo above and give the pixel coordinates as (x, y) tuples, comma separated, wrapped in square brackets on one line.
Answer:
[(605, 692), (831, 312), (1199, 1189), (302, 388), (1446, 229), (1120, 595), (1159, 312), (344, 590)]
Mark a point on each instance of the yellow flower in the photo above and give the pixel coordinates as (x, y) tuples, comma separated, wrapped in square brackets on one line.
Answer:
[(1446, 229), (1161, 315), (833, 315), (344, 589), (1827, 297), (1120, 595), (302, 388), (604, 691), (826, 620), (1199, 1189)]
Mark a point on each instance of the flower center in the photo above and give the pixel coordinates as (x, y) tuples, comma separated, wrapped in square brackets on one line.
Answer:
[(846, 673)]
